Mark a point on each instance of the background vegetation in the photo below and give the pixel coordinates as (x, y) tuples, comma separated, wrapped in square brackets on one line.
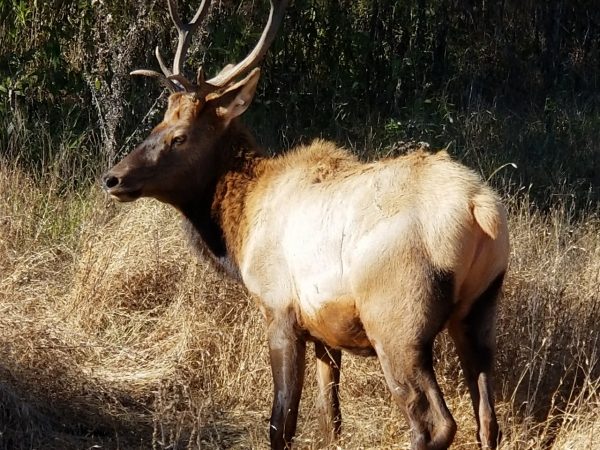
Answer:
[(510, 81), (112, 335)]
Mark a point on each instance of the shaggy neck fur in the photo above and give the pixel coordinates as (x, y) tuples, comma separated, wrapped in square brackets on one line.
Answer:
[(215, 219)]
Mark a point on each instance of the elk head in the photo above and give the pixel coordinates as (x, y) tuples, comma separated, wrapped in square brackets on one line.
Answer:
[(180, 154)]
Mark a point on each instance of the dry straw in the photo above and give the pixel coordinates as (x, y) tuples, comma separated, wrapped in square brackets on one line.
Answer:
[(112, 334)]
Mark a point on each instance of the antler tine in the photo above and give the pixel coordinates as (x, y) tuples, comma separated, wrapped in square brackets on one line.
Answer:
[(161, 63), (161, 78), (255, 56), (173, 79), (185, 31)]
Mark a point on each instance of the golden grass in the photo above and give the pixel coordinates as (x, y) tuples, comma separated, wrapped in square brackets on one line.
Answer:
[(113, 334)]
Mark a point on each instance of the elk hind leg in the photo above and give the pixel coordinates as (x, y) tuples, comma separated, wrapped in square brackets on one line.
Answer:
[(412, 382), (402, 333), (329, 361), (474, 337)]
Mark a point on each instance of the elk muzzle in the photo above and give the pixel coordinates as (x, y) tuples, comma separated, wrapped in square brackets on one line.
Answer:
[(114, 185)]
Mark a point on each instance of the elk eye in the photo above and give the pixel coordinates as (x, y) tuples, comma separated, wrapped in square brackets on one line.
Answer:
[(178, 140)]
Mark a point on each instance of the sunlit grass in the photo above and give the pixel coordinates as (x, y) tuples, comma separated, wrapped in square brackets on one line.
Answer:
[(113, 334)]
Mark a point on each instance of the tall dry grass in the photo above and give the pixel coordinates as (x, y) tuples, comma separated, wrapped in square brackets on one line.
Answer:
[(112, 335)]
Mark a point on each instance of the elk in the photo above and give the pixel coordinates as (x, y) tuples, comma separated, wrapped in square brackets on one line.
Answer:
[(371, 257)]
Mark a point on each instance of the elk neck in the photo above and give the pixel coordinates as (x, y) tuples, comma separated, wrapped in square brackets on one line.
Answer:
[(215, 219)]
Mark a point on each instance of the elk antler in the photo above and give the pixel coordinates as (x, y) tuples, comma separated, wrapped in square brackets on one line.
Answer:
[(174, 79), (184, 31), (257, 54)]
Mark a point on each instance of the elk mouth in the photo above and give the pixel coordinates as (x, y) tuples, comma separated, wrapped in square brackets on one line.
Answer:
[(124, 195), (114, 187)]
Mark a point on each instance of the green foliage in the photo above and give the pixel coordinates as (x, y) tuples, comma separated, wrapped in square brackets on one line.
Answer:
[(515, 81)]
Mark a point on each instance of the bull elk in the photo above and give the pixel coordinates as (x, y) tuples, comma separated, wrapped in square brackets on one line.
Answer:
[(375, 258)]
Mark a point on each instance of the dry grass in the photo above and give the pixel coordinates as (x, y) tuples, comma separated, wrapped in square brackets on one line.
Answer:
[(112, 335)]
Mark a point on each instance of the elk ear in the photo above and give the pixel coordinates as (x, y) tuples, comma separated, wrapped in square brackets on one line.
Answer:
[(236, 99)]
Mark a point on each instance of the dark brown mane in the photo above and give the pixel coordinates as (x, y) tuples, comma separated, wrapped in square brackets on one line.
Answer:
[(212, 222)]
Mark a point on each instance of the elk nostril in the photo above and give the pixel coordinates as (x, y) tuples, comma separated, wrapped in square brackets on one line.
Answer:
[(110, 181)]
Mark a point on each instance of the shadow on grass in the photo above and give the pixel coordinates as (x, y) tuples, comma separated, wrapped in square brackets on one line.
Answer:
[(60, 417)]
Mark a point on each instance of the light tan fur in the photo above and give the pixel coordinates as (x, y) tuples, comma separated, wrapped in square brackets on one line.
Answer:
[(453, 215)]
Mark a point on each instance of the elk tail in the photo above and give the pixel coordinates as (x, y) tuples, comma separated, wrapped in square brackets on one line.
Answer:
[(487, 212)]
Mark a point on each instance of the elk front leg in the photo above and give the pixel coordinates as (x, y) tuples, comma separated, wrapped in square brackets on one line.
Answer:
[(329, 361), (286, 350)]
